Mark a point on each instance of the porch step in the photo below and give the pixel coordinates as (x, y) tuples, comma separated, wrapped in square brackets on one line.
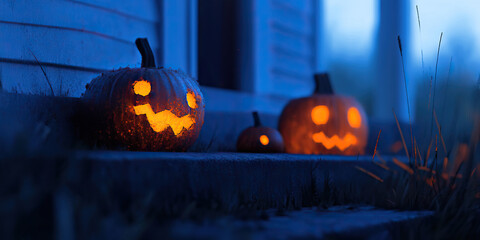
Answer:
[(343, 222), (272, 180)]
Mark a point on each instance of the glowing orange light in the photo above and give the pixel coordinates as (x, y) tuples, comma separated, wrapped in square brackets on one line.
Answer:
[(160, 121), (320, 114), (142, 87), (335, 141), (192, 102), (354, 118), (264, 140)]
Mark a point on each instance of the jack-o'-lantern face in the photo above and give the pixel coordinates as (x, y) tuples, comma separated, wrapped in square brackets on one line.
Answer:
[(161, 114), (152, 110), (260, 139), (320, 115), (324, 124), (146, 108), (162, 120)]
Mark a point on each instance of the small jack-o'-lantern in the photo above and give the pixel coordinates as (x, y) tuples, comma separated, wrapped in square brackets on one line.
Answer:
[(260, 139), (324, 123), (147, 108)]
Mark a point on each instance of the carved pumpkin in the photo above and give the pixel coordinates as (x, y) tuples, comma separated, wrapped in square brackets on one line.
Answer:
[(324, 123), (147, 108), (260, 139)]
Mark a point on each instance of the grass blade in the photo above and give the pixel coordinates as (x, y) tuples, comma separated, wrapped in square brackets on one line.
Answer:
[(369, 174), (406, 90), (435, 80), (403, 166), (401, 135), (44, 73), (376, 144), (439, 131)]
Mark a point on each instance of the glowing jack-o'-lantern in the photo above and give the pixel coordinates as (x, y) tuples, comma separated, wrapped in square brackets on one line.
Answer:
[(260, 139), (147, 108), (324, 123)]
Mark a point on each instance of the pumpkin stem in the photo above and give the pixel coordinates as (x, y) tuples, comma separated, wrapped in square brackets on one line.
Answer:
[(148, 60), (322, 84), (256, 119)]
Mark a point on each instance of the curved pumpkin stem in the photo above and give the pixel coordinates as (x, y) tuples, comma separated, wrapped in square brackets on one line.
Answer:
[(256, 119), (322, 84), (148, 60)]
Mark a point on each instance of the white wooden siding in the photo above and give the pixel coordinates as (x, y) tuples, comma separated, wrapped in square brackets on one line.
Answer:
[(284, 41), (73, 40), (24, 78), (291, 28), (179, 23), (141, 9)]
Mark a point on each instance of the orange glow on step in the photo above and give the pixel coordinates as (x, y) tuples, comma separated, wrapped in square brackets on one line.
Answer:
[(335, 141), (160, 121), (142, 88), (264, 140)]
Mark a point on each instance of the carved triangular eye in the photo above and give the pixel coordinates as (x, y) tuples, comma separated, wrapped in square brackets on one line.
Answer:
[(142, 87), (320, 114), (354, 118)]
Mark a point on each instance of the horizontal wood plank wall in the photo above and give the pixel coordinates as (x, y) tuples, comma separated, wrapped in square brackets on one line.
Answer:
[(282, 36), (291, 26), (74, 40)]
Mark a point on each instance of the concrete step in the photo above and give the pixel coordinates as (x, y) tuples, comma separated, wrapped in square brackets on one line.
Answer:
[(230, 179), (342, 222)]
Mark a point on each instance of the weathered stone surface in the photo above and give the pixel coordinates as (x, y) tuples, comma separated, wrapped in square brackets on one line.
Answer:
[(270, 180), (357, 223)]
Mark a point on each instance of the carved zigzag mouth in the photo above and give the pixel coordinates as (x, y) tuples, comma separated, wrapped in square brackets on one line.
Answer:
[(335, 141), (161, 120)]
